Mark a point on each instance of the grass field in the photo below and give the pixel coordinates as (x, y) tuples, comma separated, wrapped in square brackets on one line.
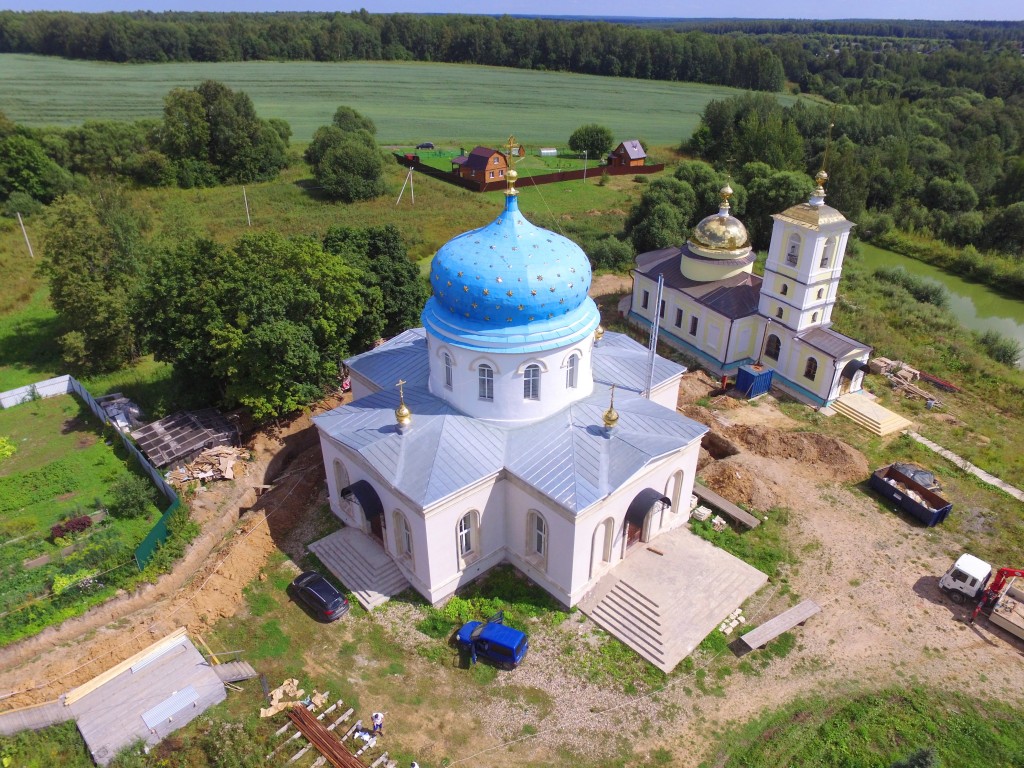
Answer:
[(409, 101)]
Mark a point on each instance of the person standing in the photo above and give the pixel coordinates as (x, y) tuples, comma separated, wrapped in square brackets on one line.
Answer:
[(378, 722)]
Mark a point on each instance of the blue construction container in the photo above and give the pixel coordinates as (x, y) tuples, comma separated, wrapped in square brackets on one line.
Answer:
[(753, 380)]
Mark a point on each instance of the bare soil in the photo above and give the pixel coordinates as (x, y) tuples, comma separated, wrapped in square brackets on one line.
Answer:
[(883, 620)]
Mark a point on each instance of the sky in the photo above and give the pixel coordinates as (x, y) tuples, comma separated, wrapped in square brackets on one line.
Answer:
[(744, 9)]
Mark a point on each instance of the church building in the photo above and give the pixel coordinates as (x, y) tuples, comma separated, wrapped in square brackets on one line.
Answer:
[(734, 322), (509, 428)]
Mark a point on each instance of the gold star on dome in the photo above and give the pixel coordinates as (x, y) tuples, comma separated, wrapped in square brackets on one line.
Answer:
[(540, 277), (465, 288), (459, 274), (520, 307), (561, 301), (473, 305), (498, 280), (570, 285), (508, 293), (487, 318), (552, 289), (533, 293), (449, 283)]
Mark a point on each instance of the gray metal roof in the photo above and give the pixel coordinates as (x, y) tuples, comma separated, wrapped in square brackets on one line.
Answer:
[(160, 694), (832, 342), (633, 149), (734, 297), (566, 456), (402, 357)]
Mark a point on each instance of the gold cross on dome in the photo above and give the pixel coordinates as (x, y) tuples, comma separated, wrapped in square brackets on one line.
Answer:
[(401, 392)]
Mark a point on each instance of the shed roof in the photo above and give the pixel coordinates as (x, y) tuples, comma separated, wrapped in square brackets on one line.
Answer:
[(833, 343), (183, 433), (147, 697)]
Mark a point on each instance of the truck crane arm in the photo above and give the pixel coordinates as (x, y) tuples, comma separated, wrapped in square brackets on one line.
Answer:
[(992, 592)]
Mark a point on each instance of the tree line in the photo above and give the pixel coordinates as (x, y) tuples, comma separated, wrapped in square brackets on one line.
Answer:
[(263, 322)]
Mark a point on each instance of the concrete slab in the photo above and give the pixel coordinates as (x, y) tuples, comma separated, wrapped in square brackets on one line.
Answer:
[(666, 596)]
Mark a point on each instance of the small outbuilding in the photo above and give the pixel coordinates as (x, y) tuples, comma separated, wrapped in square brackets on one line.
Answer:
[(482, 164), (629, 153), (185, 434)]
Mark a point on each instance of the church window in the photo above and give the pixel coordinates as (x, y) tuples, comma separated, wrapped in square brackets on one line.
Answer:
[(811, 369), (538, 534), (773, 348), (693, 325), (572, 371), (821, 293), (785, 289), (793, 250), (661, 310), (447, 370), (779, 313), (814, 317), (531, 382), (679, 318), (485, 378), (403, 535), (466, 534), (645, 300)]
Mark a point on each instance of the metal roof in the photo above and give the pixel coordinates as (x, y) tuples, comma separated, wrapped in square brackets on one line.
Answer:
[(633, 149), (832, 342), (164, 690), (734, 297), (182, 434), (567, 456), (402, 357)]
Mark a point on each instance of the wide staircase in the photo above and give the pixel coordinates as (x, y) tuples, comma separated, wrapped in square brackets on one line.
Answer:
[(664, 625), (361, 564), (869, 414)]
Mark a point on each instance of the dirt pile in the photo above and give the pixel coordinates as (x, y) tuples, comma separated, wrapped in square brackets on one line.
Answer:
[(752, 464)]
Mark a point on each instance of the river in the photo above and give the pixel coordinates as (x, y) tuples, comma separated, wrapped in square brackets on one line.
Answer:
[(976, 306)]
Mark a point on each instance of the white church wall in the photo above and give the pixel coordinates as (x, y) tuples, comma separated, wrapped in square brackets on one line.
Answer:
[(509, 400), (587, 567), (552, 568)]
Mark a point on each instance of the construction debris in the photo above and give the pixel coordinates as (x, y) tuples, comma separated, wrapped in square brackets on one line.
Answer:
[(290, 688), (215, 463)]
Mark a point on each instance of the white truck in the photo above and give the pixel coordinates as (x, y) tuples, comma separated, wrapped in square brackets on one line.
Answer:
[(1002, 600)]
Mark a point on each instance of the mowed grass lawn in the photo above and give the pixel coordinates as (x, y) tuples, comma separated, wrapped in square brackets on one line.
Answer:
[(451, 104)]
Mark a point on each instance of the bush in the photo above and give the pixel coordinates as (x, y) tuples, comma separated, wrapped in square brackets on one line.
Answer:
[(23, 203), (132, 497), (1002, 349), (69, 527)]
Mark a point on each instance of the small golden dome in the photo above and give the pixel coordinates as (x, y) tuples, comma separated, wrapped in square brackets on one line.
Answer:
[(721, 232), (821, 177), (599, 333), (402, 414), (611, 416)]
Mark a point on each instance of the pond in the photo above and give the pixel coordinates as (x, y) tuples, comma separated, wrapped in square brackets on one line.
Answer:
[(976, 306)]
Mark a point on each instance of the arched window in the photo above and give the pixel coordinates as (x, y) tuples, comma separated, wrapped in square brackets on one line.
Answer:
[(811, 369), (773, 347), (572, 371), (447, 370), (821, 293), (531, 382), (403, 535), (778, 313), (793, 250), (827, 252), (537, 534), (466, 534), (485, 379), (814, 317), (785, 289)]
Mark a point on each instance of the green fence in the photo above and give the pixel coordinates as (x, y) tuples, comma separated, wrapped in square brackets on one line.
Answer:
[(157, 536)]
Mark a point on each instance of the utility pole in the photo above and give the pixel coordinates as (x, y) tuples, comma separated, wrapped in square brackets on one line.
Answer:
[(25, 233), (245, 199)]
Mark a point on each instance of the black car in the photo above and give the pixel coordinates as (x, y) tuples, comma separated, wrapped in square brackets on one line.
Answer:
[(320, 595), (425, 145)]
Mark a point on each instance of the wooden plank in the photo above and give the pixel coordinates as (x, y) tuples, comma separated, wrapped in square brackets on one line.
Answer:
[(781, 623), (726, 507)]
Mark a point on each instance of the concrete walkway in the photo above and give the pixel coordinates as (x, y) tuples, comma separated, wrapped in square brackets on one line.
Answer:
[(965, 465)]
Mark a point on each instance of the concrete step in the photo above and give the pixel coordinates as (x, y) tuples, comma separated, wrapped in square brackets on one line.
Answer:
[(620, 601), (233, 671), (362, 565), (626, 632)]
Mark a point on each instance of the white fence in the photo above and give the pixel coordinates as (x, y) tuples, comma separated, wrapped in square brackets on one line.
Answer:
[(60, 385)]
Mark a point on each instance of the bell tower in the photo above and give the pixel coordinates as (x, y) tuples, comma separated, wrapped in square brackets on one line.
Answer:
[(805, 260)]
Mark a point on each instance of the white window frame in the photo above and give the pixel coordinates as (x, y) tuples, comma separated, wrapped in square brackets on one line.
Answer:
[(447, 370), (485, 382), (572, 371), (531, 382)]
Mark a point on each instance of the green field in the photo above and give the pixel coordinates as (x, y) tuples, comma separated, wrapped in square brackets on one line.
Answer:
[(61, 466), (451, 104)]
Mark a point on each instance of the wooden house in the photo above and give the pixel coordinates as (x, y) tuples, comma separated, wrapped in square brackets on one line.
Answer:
[(482, 164), (629, 153)]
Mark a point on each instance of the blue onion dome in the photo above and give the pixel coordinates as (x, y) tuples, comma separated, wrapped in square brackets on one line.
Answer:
[(510, 285)]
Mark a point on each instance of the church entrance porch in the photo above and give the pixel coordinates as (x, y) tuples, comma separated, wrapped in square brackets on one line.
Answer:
[(364, 506), (663, 601), (646, 507), (360, 563)]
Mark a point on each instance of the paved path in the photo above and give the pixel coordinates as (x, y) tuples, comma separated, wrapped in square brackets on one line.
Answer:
[(965, 465)]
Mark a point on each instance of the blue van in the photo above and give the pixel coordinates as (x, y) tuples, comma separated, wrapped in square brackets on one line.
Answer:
[(492, 640)]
